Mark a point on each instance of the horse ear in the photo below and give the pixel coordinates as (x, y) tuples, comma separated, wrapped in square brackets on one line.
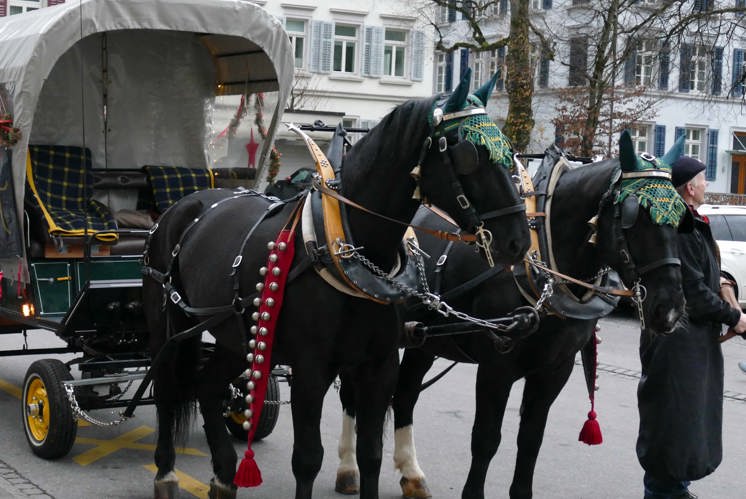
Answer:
[(627, 156), (457, 100), (483, 93), (676, 151)]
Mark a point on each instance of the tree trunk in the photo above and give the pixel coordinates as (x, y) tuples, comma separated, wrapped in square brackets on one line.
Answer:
[(520, 78)]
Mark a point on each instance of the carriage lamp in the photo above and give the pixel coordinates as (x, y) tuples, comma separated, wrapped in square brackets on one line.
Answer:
[(27, 309)]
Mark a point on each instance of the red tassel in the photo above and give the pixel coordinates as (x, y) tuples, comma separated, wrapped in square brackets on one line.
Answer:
[(248, 474), (591, 432)]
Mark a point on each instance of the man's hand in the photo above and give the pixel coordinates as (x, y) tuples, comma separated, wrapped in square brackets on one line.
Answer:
[(740, 328)]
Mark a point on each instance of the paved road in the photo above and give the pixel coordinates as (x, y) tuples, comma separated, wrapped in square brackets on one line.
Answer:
[(116, 462)]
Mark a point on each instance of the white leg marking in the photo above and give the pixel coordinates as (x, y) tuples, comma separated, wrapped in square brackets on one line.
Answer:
[(405, 455), (347, 445)]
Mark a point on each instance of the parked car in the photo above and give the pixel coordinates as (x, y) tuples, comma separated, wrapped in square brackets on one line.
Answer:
[(728, 224), (288, 187)]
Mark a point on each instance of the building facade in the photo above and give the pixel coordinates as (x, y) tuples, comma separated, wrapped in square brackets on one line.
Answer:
[(694, 77)]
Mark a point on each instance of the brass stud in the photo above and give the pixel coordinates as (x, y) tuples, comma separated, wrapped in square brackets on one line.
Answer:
[(264, 316), (257, 374), (246, 425), (255, 316), (270, 302), (276, 271), (263, 271), (259, 358), (271, 245), (273, 286), (282, 246), (257, 301), (261, 346), (249, 358), (252, 342), (273, 258), (260, 286)]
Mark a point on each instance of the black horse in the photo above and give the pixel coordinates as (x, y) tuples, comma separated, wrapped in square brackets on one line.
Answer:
[(203, 258), (626, 239)]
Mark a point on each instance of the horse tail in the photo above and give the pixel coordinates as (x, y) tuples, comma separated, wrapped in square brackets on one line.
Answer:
[(175, 364)]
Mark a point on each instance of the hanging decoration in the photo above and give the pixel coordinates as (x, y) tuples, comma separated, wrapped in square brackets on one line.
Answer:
[(251, 147), (9, 135), (274, 154)]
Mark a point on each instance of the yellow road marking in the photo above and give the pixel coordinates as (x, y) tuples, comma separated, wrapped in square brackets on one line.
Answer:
[(11, 389), (186, 482), (128, 440)]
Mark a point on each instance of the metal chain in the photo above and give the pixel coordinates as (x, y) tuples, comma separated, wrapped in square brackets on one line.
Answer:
[(430, 300), (639, 297), (237, 394), (79, 413)]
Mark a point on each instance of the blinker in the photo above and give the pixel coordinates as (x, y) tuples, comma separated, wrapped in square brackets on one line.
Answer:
[(465, 157), (630, 208)]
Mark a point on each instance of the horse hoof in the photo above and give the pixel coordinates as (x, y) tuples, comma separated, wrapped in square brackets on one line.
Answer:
[(348, 482), (414, 488), (167, 487), (219, 490)]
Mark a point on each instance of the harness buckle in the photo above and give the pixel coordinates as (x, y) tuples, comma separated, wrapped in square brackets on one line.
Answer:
[(463, 201), (442, 144), (441, 260), (237, 261), (175, 297)]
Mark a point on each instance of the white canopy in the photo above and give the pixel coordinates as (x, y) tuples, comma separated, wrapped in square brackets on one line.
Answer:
[(132, 79)]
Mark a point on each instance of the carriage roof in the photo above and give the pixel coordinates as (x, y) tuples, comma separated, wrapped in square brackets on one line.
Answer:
[(247, 51)]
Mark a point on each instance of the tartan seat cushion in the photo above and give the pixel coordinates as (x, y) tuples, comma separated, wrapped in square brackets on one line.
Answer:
[(61, 181), (171, 183)]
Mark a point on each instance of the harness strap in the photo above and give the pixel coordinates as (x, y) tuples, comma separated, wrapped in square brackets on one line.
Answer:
[(440, 234), (170, 343), (659, 263)]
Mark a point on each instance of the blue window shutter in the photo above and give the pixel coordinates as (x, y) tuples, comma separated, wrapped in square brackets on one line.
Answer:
[(659, 141), (451, 13), (449, 72), (559, 138), (503, 7), (373, 51), (712, 155), (738, 71), (464, 62), (500, 83), (418, 55), (717, 71), (684, 83), (664, 66), (629, 64), (678, 132), (543, 71), (547, 4)]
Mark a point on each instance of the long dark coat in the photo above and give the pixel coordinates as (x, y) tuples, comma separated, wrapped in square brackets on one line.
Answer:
[(680, 395)]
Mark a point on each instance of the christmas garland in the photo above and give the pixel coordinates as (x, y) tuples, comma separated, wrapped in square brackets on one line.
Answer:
[(9, 135), (274, 154)]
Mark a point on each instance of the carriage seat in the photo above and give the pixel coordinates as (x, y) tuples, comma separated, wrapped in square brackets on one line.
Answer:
[(60, 182), (171, 183)]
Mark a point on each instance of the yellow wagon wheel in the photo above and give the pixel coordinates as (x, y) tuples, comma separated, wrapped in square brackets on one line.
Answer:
[(48, 420)]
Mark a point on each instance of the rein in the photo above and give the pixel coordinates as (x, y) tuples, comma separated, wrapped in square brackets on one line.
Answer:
[(596, 289), (440, 234)]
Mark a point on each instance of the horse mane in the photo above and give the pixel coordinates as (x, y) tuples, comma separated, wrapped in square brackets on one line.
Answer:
[(411, 123)]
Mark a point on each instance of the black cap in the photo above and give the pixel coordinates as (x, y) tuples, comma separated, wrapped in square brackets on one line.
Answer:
[(684, 169)]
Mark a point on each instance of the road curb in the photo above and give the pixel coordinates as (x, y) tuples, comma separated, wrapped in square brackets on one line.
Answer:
[(14, 485)]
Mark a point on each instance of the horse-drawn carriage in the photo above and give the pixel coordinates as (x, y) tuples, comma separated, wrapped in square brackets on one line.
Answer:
[(105, 106)]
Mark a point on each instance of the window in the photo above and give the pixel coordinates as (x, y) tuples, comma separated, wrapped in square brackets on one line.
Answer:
[(441, 14), (641, 138), (440, 72), (477, 77), (703, 5), (698, 68), (345, 48), (645, 60), (394, 50), (739, 141), (21, 6), (578, 61), (694, 145), (719, 228), (296, 29), (701, 69)]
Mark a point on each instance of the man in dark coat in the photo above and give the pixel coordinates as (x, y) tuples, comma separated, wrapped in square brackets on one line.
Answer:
[(680, 395)]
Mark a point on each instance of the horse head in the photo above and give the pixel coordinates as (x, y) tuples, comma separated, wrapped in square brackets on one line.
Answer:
[(643, 213), (468, 149)]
